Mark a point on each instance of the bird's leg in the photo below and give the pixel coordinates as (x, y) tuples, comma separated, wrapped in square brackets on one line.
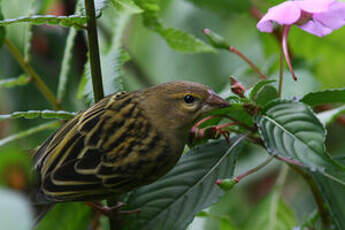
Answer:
[(109, 211)]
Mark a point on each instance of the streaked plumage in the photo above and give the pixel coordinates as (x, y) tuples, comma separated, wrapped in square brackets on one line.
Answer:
[(124, 141)]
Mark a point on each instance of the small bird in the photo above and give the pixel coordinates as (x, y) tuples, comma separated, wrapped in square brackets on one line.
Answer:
[(124, 141)]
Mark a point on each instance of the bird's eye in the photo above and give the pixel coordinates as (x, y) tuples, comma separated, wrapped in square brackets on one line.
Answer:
[(189, 99)]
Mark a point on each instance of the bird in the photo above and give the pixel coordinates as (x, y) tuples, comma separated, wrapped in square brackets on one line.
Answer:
[(122, 142)]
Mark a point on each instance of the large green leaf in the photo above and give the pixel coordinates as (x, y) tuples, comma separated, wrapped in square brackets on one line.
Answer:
[(175, 38), (67, 216), (291, 130), (324, 97), (333, 193), (173, 201)]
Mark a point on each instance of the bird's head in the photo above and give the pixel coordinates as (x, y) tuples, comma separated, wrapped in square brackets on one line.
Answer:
[(175, 106)]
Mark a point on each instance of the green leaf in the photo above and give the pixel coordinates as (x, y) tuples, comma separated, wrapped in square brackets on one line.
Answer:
[(175, 38), (236, 111), (28, 132), (46, 114), (223, 6), (12, 82), (324, 97), (216, 40), (291, 130), (16, 211), (333, 193), (252, 92), (127, 5), (224, 221), (271, 214), (67, 216), (173, 201), (329, 116), (111, 62), (266, 94), (72, 20)]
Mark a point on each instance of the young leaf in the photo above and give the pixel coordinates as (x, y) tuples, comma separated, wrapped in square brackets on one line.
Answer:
[(68, 216), (252, 92), (324, 97), (238, 112), (329, 116), (12, 82), (333, 193), (291, 130), (266, 94), (173, 201), (175, 38)]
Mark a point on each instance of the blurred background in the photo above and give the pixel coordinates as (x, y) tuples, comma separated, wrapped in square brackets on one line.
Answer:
[(318, 62)]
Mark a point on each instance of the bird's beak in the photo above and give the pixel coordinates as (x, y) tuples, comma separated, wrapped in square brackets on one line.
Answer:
[(216, 101)]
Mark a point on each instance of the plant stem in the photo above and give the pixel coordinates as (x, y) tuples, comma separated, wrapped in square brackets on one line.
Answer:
[(95, 63), (244, 58), (281, 73), (32, 73), (255, 169)]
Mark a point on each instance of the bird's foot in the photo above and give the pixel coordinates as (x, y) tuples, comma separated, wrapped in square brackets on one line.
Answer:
[(109, 211)]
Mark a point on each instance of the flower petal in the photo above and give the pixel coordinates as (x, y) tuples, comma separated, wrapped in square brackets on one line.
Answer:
[(314, 6), (334, 18), (316, 28), (285, 13)]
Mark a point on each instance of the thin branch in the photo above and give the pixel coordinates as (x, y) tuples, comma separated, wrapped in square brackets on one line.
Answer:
[(244, 58), (32, 73), (95, 63)]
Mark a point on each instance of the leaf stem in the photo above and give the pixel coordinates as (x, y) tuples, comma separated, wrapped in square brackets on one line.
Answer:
[(255, 169), (95, 63), (244, 58), (281, 73), (32, 73)]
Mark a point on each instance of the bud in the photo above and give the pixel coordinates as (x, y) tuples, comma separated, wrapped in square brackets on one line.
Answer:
[(227, 183), (237, 87), (215, 39)]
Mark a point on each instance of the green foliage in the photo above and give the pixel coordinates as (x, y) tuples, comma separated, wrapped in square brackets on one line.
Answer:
[(324, 97), (291, 130), (175, 38), (333, 194), (12, 82), (72, 20), (127, 5), (271, 214), (189, 188), (45, 114), (223, 6), (60, 218), (329, 116)]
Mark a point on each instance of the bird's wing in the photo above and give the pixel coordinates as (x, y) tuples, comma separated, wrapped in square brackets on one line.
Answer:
[(94, 153)]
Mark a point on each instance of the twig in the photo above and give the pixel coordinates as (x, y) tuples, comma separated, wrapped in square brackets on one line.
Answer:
[(244, 58), (255, 169), (32, 73), (95, 63)]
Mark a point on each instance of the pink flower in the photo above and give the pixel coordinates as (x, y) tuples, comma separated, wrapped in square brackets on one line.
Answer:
[(318, 17)]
